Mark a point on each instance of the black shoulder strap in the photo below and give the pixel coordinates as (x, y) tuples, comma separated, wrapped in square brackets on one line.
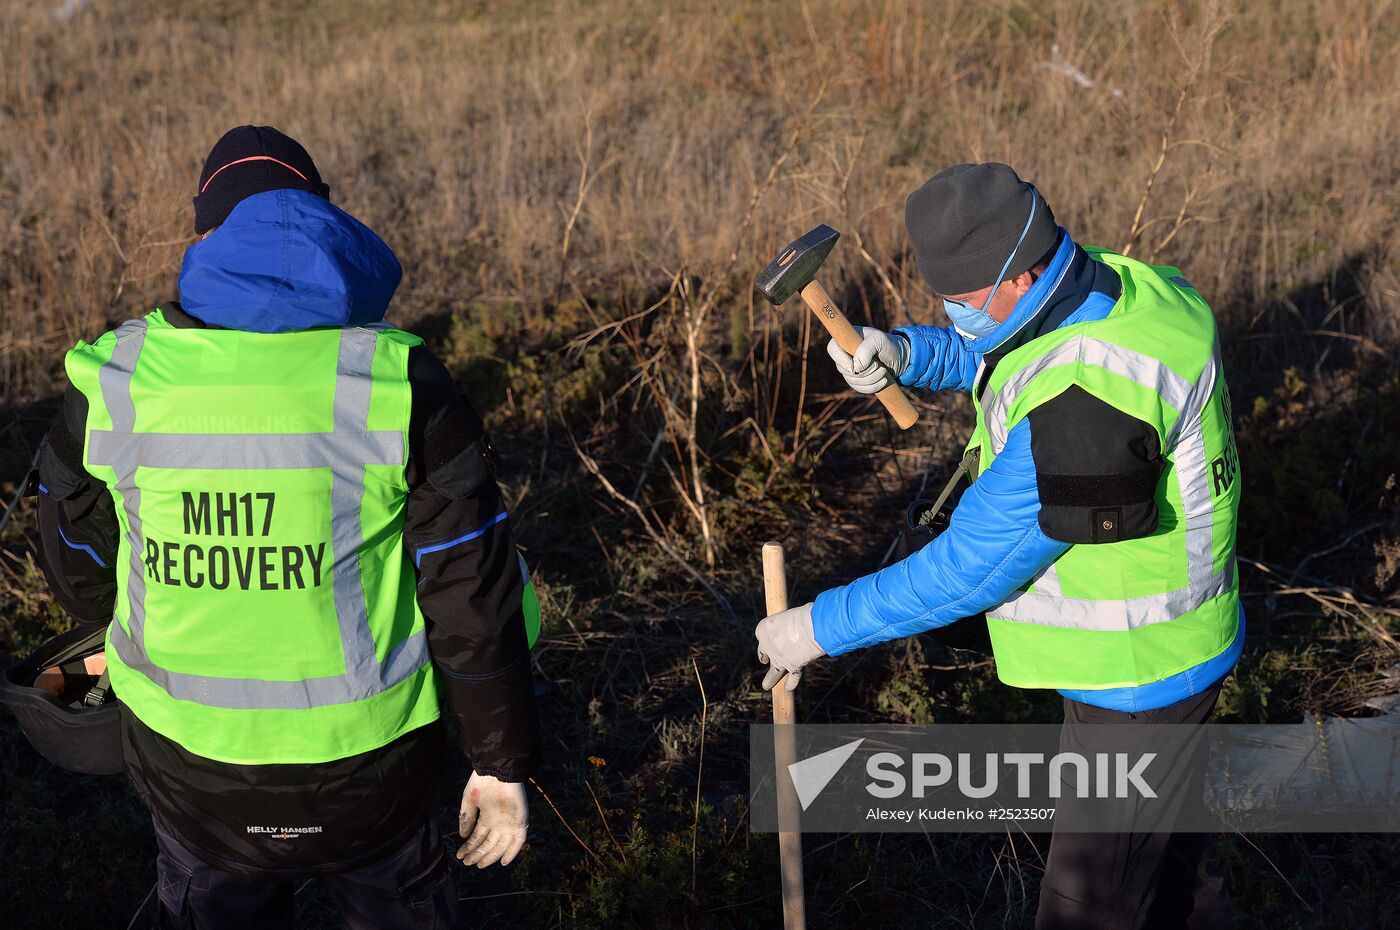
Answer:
[(98, 695), (965, 467)]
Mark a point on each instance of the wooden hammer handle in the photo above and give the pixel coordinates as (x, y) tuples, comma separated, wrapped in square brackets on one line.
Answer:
[(785, 754), (820, 302)]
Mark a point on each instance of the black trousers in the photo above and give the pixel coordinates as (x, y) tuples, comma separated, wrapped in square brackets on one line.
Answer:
[(1149, 880), (411, 887)]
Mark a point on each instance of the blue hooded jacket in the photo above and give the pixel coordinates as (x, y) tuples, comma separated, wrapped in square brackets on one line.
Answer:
[(994, 543), (288, 260)]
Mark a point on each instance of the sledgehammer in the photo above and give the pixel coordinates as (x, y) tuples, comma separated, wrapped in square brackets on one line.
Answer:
[(795, 269)]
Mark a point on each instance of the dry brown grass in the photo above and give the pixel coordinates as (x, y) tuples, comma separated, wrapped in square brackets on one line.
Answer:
[(463, 136), (547, 170)]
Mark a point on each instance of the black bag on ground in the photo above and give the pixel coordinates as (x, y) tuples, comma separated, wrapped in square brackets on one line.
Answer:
[(78, 729)]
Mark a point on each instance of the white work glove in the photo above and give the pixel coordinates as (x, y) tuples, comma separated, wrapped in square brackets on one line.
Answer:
[(786, 643), (879, 360), (496, 815)]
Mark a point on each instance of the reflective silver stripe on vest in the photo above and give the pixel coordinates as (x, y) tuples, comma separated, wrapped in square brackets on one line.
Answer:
[(1047, 582), (1188, 448), (1185, 442), (254, 450), (346, 451), (1127, 614), (114, 379), (352, 392), (1141, 369), (262, 694)]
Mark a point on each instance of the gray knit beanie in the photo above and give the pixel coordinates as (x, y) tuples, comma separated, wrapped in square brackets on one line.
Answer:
[(965, 220)]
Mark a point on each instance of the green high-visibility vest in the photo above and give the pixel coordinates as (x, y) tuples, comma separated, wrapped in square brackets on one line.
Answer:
[(266, 608), (1131, 612)]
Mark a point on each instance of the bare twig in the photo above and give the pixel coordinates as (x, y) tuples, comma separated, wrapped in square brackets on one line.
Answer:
[(699, 773), (1136, 229), (1276, 869), (655, 447), (586, 177), (651, 531), (692, 345), (680, 489), (1336, 546), (875, 266), (1196, 65), (1336, 599), (854, 224), (514, 894), (19, 491), (586, 848), (697, 309), (777, 166), (140, 907), (622, 853)]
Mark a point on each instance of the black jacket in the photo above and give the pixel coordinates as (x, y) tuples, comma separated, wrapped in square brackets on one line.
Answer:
[(469, 592)]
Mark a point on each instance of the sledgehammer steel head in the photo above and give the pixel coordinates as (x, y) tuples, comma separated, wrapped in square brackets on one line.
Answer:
[(796, 265)]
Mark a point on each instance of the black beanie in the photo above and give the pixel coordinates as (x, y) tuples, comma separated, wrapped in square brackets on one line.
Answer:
[(248, 160), (965, 220)]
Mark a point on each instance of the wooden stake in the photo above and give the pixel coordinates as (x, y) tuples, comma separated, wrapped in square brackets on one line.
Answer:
[(785, 753)]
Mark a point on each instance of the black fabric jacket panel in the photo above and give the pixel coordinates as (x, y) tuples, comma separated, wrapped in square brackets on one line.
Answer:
[(470, 585), (1096, 469), (77, 522), (469, 592), (301, 820)]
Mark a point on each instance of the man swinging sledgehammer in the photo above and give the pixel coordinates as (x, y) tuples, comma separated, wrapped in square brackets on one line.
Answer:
[(1098, 535)]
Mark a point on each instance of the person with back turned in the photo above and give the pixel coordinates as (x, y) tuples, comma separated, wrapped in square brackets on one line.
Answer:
[(289, 515), (1098, 534)]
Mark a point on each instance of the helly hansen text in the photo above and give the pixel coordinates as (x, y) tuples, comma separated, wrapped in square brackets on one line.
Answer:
[(284, 833)]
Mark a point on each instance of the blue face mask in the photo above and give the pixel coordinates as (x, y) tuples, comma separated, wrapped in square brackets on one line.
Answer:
[(969, 321), (976, 323)]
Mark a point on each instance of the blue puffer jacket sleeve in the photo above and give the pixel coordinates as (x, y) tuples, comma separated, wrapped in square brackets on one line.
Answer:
[(992, 546), (939, 359)]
